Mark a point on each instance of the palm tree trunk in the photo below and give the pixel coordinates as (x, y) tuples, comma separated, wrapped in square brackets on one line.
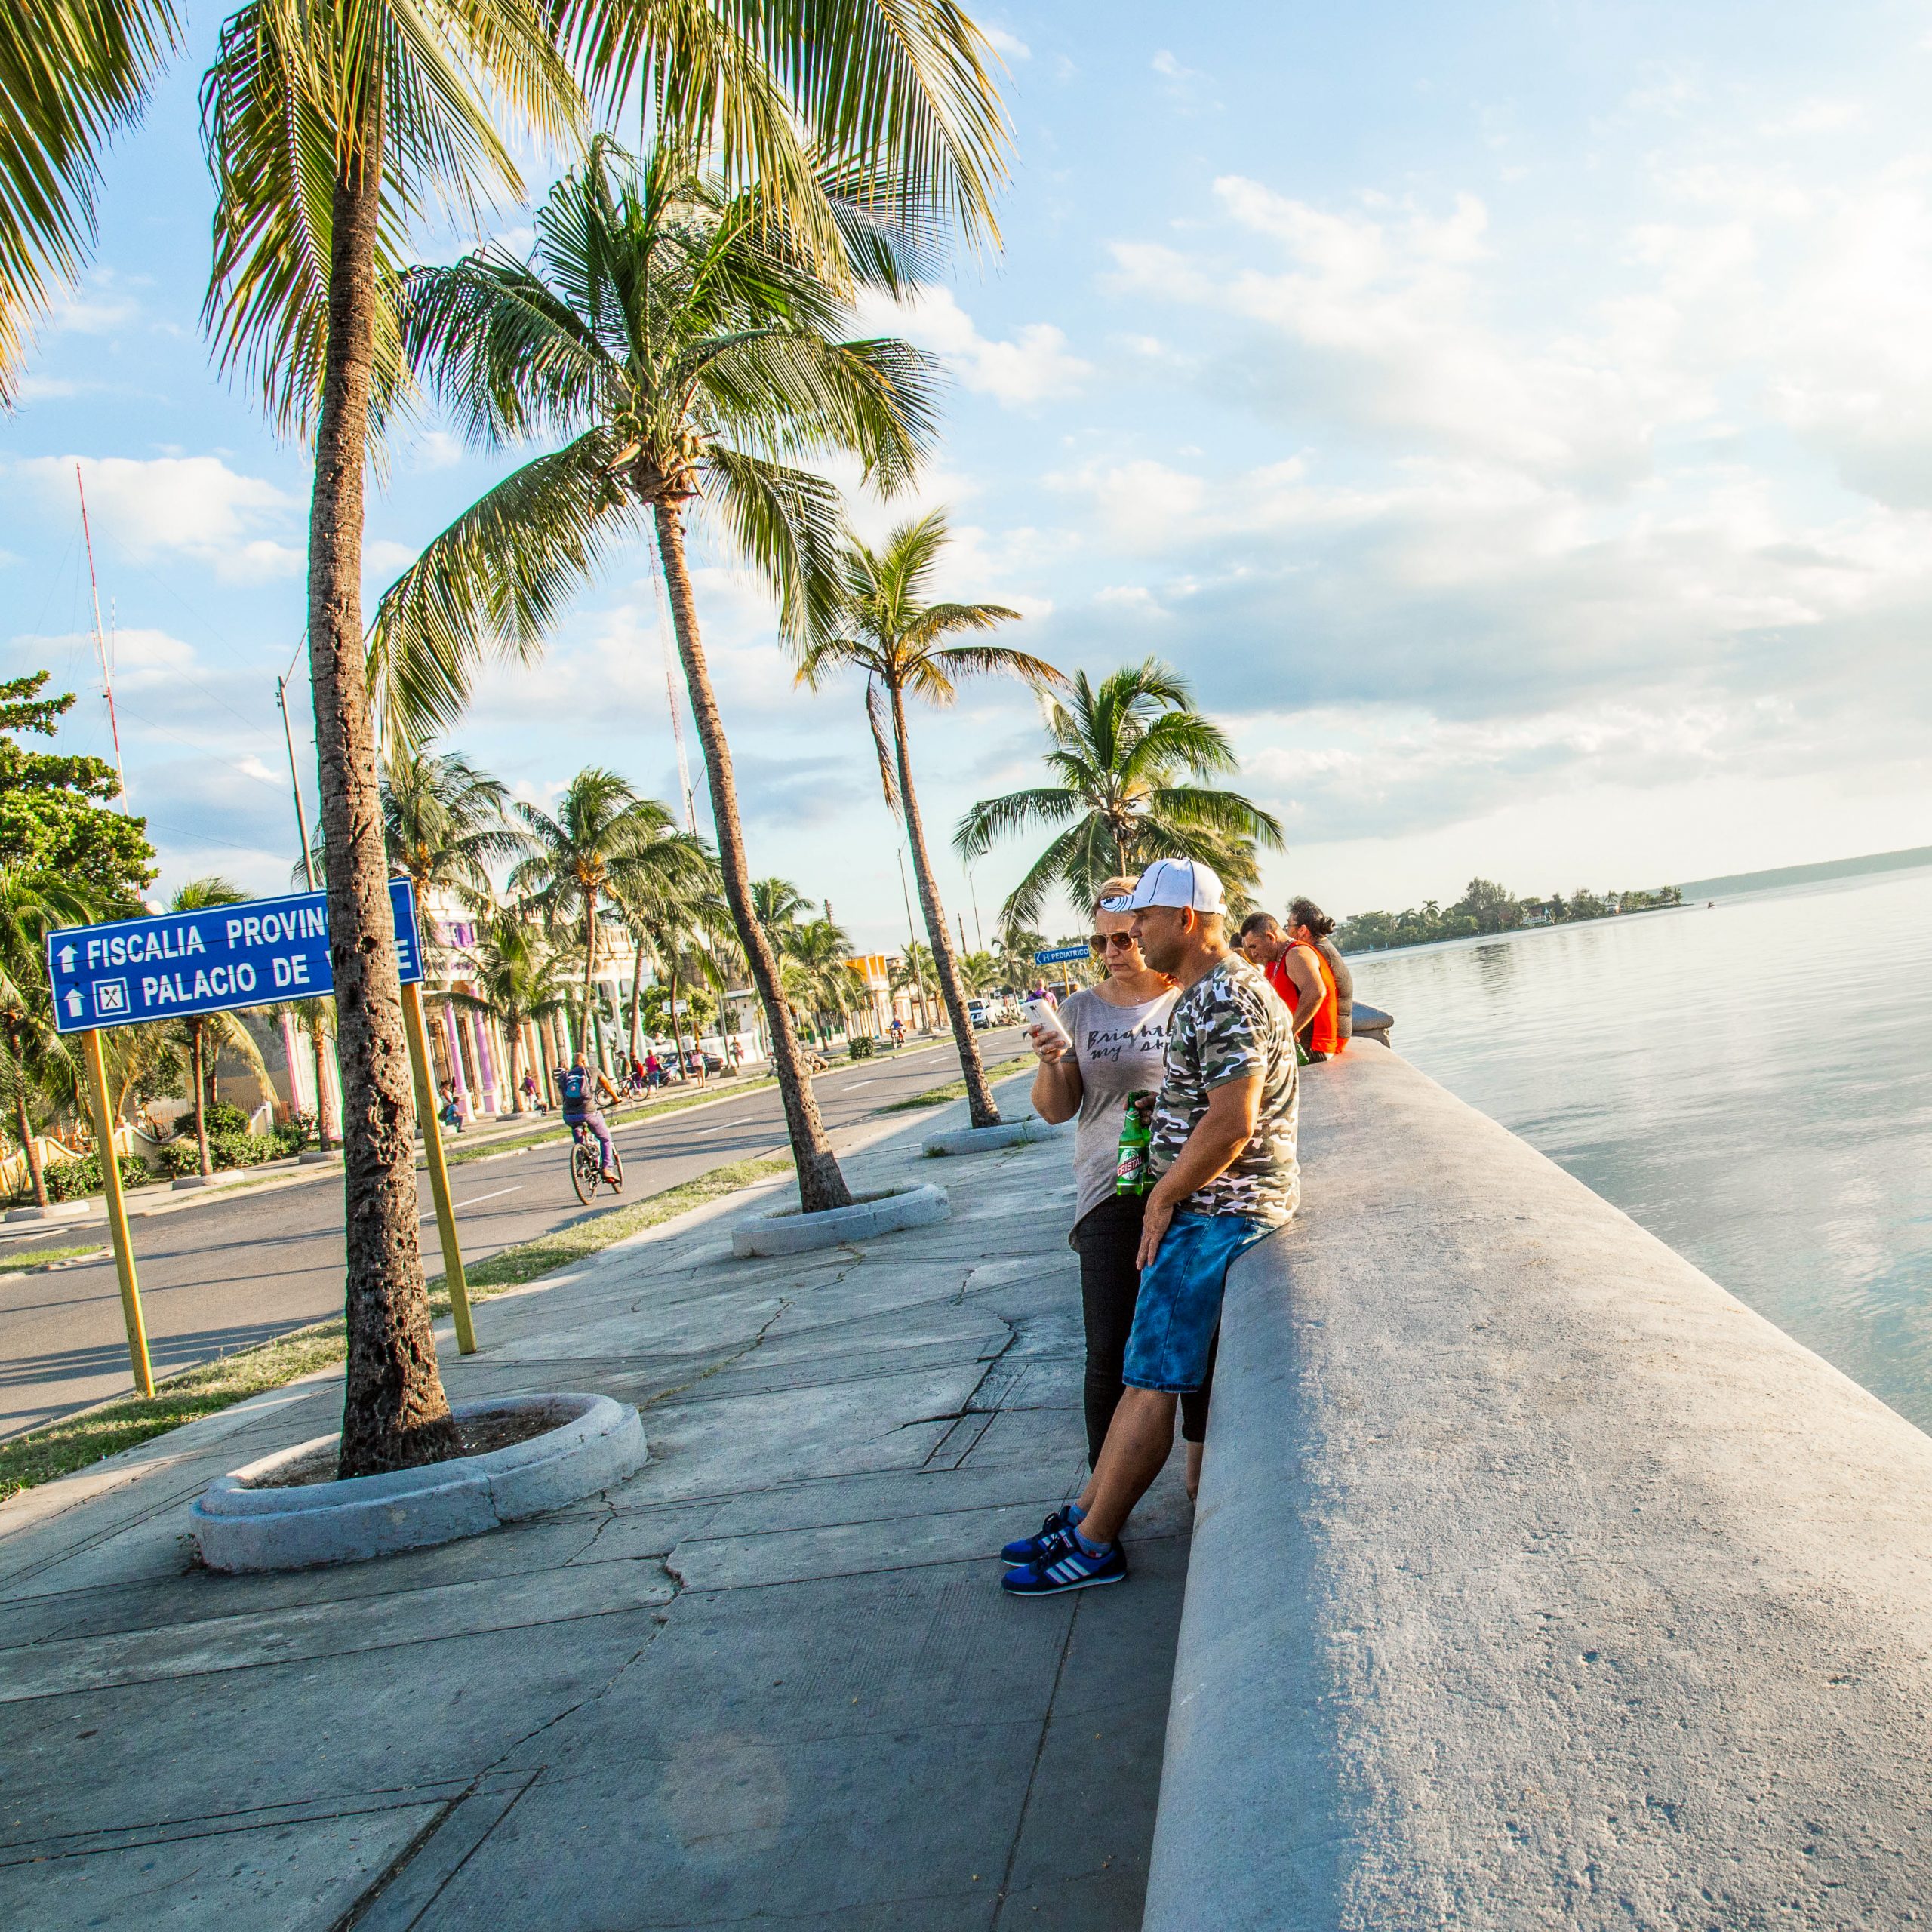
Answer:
[(29, 1151), (394, 1413), (945, 970), (637, 997), (201, 1102), (821, 1184), (513, 1043), (317, 1037), (589, 968), (677, 1038)]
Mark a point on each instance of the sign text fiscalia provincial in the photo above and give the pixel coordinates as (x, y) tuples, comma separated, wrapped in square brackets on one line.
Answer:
[(211, 960)]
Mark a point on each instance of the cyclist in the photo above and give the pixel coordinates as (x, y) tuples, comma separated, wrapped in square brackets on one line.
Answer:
[(576, 1087)]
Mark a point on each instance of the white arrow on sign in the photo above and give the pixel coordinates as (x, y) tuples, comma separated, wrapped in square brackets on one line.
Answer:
[(66, 959), (73, 1005)]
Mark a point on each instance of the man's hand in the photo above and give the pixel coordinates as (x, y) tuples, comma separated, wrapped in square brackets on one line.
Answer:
[(1154, 1217)]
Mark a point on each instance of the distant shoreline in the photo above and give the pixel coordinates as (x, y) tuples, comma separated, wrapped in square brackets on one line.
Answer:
[(1826, 868)]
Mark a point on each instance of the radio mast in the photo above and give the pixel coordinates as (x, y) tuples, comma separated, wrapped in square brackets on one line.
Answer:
[(101, 639)]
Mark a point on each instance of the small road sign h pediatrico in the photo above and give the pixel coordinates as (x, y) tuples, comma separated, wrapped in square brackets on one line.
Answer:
[(1055, 955), (212, 961)]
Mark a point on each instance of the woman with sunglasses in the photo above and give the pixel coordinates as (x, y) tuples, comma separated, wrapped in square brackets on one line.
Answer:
[(1118, 1035)]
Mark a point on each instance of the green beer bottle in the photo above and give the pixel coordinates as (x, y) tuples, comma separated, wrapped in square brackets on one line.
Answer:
[(1136, 1137)]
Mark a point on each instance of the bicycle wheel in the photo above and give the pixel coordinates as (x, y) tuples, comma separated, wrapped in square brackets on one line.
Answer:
[(583, 1172)]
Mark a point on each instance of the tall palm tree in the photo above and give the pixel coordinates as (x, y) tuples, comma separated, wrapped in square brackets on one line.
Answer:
[(200, 1038), (73, 73), (776, 905), (675, 923), (32, 902), (688, 345), (910, 974), (605, 843), (818, 976), (515, 971), (445, 824), (1014, 950), (885, 625), (1123, 752), (329, 127)]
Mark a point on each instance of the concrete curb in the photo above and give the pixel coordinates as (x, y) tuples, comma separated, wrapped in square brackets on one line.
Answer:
[(979, 1139), (597, 1442), (787, 1230)]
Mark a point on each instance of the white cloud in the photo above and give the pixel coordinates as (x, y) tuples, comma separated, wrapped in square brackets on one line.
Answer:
[(1010, 46), (194, 506), (1036, 366), (437, 449)]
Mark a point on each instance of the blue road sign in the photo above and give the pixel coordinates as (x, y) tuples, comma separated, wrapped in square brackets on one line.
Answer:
[(1055, 955), (210, 962)]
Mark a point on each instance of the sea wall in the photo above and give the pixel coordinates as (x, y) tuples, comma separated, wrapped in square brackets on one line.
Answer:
[(1537, 1581)]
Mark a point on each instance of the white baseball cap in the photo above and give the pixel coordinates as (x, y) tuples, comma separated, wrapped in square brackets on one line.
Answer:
[(1173, 882)]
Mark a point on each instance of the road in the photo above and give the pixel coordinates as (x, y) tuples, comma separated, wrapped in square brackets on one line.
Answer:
[(237, 1270)]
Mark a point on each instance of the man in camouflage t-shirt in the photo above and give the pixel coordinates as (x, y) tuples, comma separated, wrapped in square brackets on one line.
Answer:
[(1223, 1160)]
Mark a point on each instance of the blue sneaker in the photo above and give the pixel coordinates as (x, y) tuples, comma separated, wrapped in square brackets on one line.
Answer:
[(1067, 1567), (1030, 1549)]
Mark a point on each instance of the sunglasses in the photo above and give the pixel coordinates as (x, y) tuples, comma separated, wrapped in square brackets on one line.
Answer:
[(1099, 942)]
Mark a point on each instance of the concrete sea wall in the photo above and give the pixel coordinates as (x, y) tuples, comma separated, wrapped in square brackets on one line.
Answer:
[(1536, 1581)]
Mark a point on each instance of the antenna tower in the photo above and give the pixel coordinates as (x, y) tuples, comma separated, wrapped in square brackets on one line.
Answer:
[(99, 639), (671, 699)]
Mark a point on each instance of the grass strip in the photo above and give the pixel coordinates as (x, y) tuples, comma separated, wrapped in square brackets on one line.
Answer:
[(954, 1090), (457, 1154), (38, 1257), (63, 1447)]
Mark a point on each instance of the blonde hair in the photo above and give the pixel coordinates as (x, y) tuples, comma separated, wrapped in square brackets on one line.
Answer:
[(1114, 888)]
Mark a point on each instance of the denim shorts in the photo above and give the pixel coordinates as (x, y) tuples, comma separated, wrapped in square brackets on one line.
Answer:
[(1180, 1308)]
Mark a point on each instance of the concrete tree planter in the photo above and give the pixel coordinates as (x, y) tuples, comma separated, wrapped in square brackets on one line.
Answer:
[(790, 1230), (242, 1522), (980, 1140), (55, 1211)]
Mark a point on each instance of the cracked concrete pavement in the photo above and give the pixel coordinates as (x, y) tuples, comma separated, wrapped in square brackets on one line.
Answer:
[(771, 1677)]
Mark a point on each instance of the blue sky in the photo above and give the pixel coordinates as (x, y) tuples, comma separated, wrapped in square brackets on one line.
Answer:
[(1514, 419)]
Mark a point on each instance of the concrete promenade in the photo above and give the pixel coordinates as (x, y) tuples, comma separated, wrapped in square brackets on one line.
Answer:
[(1551, 1586), (771, 1679)]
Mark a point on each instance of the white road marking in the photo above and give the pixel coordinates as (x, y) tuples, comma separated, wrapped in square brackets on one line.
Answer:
[(475, 1198)]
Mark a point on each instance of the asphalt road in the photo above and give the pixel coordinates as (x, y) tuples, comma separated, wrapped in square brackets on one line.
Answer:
[(217, 1277)]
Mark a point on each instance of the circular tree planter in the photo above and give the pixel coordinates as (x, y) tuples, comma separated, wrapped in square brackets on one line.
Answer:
[(244, 1520), (979, 1139), (790, 1230)]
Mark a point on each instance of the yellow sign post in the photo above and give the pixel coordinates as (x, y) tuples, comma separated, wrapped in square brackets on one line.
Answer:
[(439, 1173), (117, 1214)]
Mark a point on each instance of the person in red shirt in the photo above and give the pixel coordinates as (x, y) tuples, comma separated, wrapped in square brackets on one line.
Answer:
[(1295, 969)]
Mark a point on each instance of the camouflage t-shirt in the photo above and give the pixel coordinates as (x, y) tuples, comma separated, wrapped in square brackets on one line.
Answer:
[(1229, 1026)]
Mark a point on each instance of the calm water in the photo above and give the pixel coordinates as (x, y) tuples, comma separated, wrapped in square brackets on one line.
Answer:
[(1752, 1083)]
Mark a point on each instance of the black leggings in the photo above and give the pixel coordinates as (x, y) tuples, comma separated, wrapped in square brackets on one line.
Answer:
[(1106, 1238)]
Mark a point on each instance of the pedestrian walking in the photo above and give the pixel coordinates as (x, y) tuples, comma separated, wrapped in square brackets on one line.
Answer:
[(1223, 1157), (1111, 1044)]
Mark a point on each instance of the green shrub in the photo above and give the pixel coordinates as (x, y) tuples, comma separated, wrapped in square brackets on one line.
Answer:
[(225, 1117), (286, 1140), (861, 1047), (180, 1156), (242, 1150), (70, 1179)]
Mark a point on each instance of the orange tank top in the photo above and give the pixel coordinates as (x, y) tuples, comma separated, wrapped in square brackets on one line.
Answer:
[(1323, 1036)]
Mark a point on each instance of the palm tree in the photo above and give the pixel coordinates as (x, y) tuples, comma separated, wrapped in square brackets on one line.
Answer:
[(819, 978), (675, 923), (445, 824), (908, 972), (604, 843), (979, 972), (32, 902), (884, 625), (1014, 950), (776, 905), (1121, 752), (328, 128), (200, 1038), (686, 344), (73, 73), (514, 971)]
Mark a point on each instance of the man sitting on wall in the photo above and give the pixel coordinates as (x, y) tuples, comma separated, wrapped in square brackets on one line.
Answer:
[(1293, 969), (1224, 1174)]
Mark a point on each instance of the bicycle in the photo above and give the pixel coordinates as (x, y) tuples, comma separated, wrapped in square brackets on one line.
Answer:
[(586, 1167)]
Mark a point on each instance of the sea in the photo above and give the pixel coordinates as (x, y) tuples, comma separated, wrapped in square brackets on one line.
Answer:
[(1750, 1080)]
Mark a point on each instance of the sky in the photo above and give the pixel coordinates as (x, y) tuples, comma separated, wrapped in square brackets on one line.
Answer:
[(1514, 421)]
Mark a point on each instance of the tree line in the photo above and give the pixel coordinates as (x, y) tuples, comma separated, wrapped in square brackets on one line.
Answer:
[(1487, 907)]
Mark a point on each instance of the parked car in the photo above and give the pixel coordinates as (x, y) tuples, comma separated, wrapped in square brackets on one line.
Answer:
[(980, 1014)]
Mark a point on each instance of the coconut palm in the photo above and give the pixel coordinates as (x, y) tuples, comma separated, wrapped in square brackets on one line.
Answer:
[(675, 923), (688, 346), (605, 844), (518, 981), (908, 974), (1123, 752), (33, 903), (885, 625), (445, 824), (329, 128), (819, 979), (776, 905), (73, 73), (979, 972)]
